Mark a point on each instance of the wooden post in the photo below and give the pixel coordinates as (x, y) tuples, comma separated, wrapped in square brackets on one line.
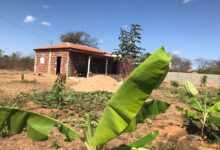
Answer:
[(88, 67), (106, 66)]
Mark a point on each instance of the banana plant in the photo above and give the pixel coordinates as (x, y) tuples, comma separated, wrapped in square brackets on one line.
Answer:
[(207, 116), (38, 126), (122, 113)]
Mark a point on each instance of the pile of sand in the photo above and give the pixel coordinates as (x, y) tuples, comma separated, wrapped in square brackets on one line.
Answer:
[(97, 83)]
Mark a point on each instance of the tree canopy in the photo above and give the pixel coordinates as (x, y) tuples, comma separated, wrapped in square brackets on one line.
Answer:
[(179, 64), (79, 37), (129, 44), (16, 61), (208, 66)]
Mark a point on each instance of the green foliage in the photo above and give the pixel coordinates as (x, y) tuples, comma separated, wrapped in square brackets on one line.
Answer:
[(27, 81), (128, 47), (4, 132), (80, 102), (38, 126), (16, 61), (174, 84), (145, 139), (150, 109), (128, 100), (204, 119), (204, 80), (79, 37), (57, 90)]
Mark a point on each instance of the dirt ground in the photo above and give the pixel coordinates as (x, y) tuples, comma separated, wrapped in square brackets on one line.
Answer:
[(169, 124), (10, 85)]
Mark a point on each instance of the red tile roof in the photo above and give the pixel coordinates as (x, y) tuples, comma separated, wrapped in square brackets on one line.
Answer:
[(68, 45)]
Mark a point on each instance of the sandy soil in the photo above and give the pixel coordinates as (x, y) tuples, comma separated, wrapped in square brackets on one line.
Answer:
[(97, 83)]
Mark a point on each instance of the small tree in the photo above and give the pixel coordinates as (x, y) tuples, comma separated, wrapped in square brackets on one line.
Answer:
[(128, 47), (58, 88)]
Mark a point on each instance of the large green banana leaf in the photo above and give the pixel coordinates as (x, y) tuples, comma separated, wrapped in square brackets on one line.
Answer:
[(194, 103), (151, 108), (187, 113), (38, 126), (130, 97), (145, 139), (214, 114), (215, 108), (190, 88), (214, 119), (139, 143)]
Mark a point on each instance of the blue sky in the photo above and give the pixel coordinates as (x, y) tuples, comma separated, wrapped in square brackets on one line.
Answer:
[(190, 28)]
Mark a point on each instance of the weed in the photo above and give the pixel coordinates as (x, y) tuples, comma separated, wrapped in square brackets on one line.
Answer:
[(58, 89), (174, 84), (4, 132), (177, 142), (55, 145), (55, 114), (22, 76), (204, 80), (80, 102)]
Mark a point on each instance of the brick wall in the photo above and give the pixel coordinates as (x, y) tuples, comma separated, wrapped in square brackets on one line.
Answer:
[(50, 58), (41, 67), (64, 61)]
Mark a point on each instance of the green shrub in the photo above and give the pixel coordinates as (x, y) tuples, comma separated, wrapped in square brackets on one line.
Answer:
[(174, 84), (204, 80)]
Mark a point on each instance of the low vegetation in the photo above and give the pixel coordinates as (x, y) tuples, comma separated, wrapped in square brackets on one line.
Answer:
[(16, 61), (204, 120)]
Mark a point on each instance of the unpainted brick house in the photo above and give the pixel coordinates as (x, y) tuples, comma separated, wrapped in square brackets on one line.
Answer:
[(74, 60)]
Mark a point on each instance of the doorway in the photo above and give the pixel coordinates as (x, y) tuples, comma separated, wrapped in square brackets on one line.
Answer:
[(58, 67)]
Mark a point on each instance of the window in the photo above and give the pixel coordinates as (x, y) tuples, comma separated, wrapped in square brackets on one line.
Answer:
[(41, 60)]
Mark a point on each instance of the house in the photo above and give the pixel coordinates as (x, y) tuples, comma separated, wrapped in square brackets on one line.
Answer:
[(74, 60)]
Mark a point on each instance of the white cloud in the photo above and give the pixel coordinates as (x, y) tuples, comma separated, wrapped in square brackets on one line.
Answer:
[(176, 52), (125, 26), (29, 19), (45, 23), (46, 6), (186, 1)]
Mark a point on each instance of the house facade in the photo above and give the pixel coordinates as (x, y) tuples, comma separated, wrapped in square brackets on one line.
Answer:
[(74, 60)]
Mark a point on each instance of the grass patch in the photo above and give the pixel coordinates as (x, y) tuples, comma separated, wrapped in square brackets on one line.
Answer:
[(80, 102), (26, 81)]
